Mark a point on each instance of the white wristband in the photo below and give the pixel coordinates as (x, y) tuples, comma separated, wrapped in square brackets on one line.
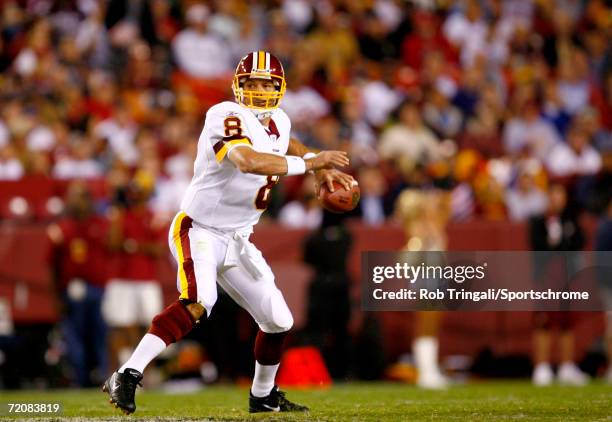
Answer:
[(307, 156), (295, 165)]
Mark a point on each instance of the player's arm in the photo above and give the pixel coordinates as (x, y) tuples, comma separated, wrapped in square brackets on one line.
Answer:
[(247, 160), (322, 176), (299, 149), (115, 229)]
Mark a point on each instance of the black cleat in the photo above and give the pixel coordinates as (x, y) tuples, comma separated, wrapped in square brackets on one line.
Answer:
[(121, 389), (273, 402)]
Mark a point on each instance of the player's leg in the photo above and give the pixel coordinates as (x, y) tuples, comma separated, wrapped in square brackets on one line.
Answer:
[(119, 312), (266, 304), (99, 331), (74, 332), (568, 372), (425, 350), (197, 256), (542, 371)]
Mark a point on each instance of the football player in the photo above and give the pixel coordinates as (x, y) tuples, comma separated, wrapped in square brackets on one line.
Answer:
[(244, 148)]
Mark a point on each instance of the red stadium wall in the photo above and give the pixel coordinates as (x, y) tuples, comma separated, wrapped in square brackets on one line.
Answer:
[(25, 279)]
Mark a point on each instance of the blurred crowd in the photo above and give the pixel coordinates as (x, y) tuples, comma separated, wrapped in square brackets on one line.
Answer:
[(488, 99)]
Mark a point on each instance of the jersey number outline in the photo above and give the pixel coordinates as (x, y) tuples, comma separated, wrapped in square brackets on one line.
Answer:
[(232, 126), (263, 194)]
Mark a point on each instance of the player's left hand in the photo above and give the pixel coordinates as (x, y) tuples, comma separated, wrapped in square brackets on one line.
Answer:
[(328, 176)]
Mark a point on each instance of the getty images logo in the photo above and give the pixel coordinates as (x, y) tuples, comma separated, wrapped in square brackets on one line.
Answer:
[(412, 273)]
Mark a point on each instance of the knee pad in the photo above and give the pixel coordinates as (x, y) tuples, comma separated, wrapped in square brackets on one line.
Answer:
[(277, 315)]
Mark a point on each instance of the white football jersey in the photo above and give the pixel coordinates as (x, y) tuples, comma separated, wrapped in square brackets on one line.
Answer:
[(220, 195)]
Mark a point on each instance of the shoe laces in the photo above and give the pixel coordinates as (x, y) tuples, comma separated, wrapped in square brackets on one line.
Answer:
[(130, 384), (283, 401)]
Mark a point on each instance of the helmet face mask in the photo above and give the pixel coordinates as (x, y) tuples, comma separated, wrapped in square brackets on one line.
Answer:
[(259, 65)]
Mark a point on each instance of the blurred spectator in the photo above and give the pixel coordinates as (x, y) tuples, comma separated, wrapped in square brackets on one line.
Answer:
[(526, 199), (120, 132), (438, 112), (425, 40), (238, 27), (334, 43), (424, 215), (281, 38), (553, 110), (329, 305), (40, 138), (326, 134), (467, 30), (409, 138), (555, 230), (91, 38), (80, 164), (379, 96), (80, 245), (574, 88), (355, 132), (10, 167), (574, 158), (302, 103), (169, 190), (589, 121), (29, 61), (135, 297), (528, 131), (305, 211), (488, 186), (299, 13), (462, 199), (4, 135), (198, 52), (481, 132), (374, 43), (371, 204)]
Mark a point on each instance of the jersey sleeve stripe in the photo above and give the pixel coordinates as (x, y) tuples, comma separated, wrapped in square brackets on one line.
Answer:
[(222, 147), (186, 271)]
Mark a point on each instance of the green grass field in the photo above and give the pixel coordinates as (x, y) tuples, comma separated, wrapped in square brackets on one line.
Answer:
[(483, 401)]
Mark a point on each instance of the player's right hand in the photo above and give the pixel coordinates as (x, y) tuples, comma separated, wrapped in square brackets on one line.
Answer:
[(327, 160)]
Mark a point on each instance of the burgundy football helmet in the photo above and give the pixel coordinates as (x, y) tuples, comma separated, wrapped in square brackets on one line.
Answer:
[(262, 65)]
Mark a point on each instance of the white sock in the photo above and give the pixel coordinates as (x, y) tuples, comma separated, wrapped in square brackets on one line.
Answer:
[(149, 347), (263, 381), (425, 351)]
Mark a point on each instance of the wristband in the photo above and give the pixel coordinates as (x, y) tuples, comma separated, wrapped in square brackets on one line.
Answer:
[(295, 165), (307, 156)]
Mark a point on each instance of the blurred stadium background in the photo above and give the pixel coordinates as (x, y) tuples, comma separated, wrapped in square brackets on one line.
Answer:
[(491, 110)]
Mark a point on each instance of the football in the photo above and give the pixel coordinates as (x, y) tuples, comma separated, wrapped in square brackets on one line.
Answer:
[(341, 200)]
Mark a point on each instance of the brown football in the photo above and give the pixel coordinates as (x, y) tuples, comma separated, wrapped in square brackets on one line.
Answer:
[(341, 200)]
